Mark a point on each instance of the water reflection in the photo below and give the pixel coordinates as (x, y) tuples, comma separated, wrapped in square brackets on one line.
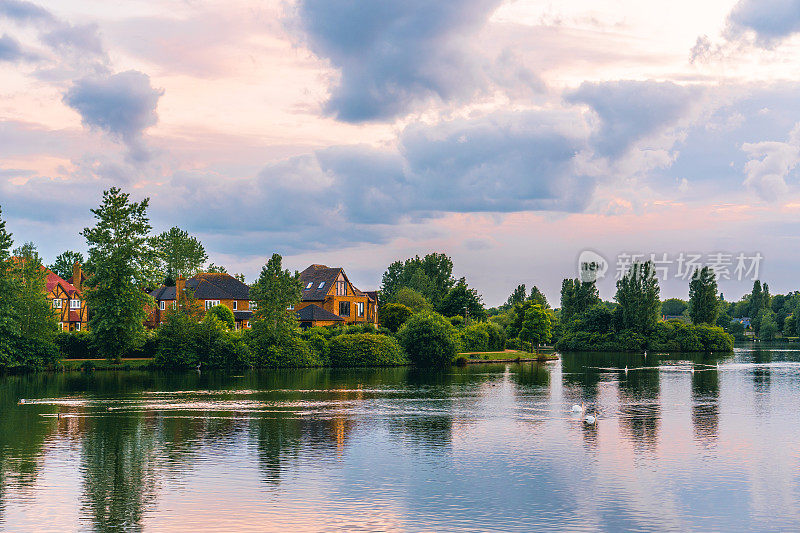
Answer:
[(427, 449)]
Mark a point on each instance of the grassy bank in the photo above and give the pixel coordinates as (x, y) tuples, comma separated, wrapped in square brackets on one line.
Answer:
[(143, 363)]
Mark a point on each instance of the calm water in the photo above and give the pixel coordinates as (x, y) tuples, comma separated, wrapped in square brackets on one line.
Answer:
[(486, 447)]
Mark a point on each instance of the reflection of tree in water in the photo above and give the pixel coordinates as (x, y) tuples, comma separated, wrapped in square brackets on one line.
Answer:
[(118, 467), (531, 375), (640, 408), (705, 405), (22, 432)]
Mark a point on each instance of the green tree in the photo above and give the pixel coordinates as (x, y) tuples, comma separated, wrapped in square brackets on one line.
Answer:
[(179, 254), (538, 297), (429, 340), (34, 312), (704, 304), (412, 299), (8, 313), (517, 297), (638, 298), (769, 326), (223, 315), (393, 316), (462, 300), (673, 307), (216, 269), (64, 263), (122, 262), (276, 291), (432, 276), (576, 297), (536, 327)]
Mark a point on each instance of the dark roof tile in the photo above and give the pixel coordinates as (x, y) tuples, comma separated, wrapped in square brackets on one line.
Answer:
[(312, 313)]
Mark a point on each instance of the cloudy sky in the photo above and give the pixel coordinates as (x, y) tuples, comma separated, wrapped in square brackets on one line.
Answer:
[(511, 135)]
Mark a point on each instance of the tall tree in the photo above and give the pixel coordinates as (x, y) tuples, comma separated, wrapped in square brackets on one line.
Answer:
[(122, 262), (536, 327), (216, 269), (756, 299), (179, 254), (275, 293), (34, 312), (538, 297), (704, 304), (8, 314), (431, 276), (517, 297), (638, 298), (64, 263), (576, 297), (461, 300)]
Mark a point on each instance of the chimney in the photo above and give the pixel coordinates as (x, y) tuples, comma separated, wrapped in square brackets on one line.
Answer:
[(76, 276), (180, 286)]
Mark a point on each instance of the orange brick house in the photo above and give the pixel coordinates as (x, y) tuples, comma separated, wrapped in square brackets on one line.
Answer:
[(329, 298), (209, 290), (67, 300)]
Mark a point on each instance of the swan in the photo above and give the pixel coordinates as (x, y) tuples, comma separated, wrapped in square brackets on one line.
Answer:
[(590, 419), (577, 408), (626, 369)]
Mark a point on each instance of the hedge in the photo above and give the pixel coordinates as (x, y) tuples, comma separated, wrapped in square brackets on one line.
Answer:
[(365, 349)]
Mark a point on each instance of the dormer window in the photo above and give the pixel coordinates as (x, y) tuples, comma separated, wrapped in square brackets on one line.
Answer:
[(74, 304), (310, 284)]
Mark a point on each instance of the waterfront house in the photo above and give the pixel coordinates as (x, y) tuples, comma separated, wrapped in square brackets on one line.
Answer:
[(208, 290), (68, 304), (328, 297)]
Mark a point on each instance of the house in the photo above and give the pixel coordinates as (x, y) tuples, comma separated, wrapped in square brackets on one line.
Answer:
[(209, 290), (67, 300), (329, 298)]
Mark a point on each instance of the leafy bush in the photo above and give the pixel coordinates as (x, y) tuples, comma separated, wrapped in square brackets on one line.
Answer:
[(319, 346), (475, 339), (497, 336), (75, 345), (364, 349), (223, 314), (393, 316), (669, 336), (516, 344), (278, 348), (31, 354), (457, 321), (429, 340), (184, 343)]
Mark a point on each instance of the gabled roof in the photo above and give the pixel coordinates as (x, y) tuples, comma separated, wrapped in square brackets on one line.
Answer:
[(52, 280), (313, 313), (208, 287), (372, 295), (316, 275)]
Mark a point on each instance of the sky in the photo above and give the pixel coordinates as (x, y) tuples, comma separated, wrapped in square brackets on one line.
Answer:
[(511, 135)]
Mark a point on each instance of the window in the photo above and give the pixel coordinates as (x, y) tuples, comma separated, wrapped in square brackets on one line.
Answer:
[(77, 326), (162, 305), (174, 305), (290, 308), (247, 323), (56, 303), (344, 308), (235, 305), (341, 289), (211, 303), (360, 308), (253, 306), (321, 285), (310, 283), (74, 304)]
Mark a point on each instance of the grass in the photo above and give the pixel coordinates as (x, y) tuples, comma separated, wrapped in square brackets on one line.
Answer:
[(507, 354), (104, 364)]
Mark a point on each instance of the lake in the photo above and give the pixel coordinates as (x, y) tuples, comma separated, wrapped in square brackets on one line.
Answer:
[(679, 444)]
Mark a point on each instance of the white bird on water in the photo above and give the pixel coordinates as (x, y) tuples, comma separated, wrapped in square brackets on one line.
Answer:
[(590, 419), (577, 408), (626, 369)]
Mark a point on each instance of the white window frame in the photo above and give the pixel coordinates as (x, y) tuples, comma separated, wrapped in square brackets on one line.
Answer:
[(57, 303), (162, 305), (309, 285), (235, 305), (322, 284), (77, 326), (361, 309), (211, 303), (74, 304), (174, 305)]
